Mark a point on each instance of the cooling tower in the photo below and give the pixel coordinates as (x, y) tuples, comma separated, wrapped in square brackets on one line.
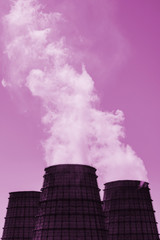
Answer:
[(20, 218), (128, 211), (70, 206)]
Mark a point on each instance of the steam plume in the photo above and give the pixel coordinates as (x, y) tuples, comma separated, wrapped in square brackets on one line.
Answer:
[(39, 59)]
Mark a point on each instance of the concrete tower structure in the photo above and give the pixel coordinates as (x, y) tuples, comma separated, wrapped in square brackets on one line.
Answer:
[(20, 217), (128, 210), (70, 206)]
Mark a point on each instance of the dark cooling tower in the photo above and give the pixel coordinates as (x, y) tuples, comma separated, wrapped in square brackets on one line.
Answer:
[(70, 206), (20, 218), (128, 211)]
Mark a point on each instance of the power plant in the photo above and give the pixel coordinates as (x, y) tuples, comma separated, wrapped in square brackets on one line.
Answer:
[(69, 208)]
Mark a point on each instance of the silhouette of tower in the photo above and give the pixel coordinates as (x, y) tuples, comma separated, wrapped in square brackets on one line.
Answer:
[(128, 210), (70, 206), (20, 217)]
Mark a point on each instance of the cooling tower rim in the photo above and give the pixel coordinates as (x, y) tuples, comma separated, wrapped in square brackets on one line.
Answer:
[(126, 181), (19, 192), (69, 164)]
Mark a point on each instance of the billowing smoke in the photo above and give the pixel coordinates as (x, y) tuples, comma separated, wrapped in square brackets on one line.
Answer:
[(39, 59)]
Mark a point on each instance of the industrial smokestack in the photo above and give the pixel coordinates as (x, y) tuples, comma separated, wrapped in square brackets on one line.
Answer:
[(128, 210), (70, 206), (20, 217)]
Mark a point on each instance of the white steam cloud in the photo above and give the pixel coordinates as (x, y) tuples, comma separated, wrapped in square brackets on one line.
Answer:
[(78, 133)]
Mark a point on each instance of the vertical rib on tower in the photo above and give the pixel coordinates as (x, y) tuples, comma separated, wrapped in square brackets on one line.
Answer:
[(20, 218), (70, 206), (128, 211)]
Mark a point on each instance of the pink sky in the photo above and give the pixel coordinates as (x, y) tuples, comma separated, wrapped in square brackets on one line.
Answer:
[(118, 41)]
